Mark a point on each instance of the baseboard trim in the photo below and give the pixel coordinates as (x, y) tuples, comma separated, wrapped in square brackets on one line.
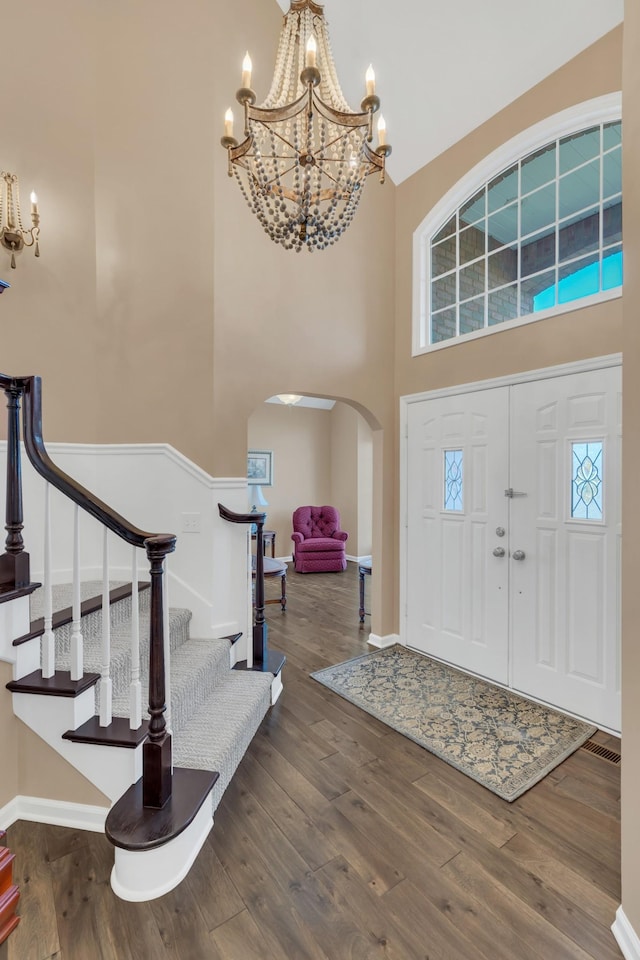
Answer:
[(381, 642), (365, 558), (61, 813), (626, 937)]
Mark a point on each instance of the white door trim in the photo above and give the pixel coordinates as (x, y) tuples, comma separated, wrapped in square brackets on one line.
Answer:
[(543, 373)]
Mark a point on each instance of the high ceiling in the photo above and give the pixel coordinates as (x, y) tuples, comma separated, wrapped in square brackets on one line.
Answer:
[(444, 68)]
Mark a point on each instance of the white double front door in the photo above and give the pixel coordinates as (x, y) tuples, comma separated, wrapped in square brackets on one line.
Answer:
[(513, 537)]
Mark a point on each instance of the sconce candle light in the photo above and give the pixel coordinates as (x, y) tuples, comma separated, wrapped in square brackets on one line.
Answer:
[(13, 235)]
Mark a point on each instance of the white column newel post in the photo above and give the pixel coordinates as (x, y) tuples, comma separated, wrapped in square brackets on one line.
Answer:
[(105, 679), (77, 653), (135, 693), (48, 644)]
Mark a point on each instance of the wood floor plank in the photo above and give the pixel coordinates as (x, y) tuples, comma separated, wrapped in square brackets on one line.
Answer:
[(495, 829), (377, 807), (263, 883), (553, 871), (304, 750), (605, 801), (360, 850), (387, 933), (36, 936), (432, 929), (344, 742), (288, 776), (549, 927), (309, 842), (209, 884), (239, 938)]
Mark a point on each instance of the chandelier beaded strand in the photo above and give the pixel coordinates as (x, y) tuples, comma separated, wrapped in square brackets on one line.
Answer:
[(305, 156)]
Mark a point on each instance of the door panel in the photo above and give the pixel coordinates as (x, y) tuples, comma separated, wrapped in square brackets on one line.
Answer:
[(457, 472), (565, 454)]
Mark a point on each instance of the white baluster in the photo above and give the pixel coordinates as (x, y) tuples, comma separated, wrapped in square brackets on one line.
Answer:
[(77, 640), (105, 678), (167, 648), (135, 694), (48, 645)]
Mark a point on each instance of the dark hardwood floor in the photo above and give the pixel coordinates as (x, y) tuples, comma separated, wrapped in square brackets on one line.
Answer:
[(338, 838)]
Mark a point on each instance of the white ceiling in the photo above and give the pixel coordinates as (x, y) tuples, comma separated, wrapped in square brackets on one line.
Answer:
[(443, 68), (319, 403)]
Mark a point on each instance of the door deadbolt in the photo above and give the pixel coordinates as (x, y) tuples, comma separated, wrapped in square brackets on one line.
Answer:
[(500, 531)]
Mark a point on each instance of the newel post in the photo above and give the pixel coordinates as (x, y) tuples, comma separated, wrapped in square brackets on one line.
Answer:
[(14, 562), (156, 751), (259, 623)]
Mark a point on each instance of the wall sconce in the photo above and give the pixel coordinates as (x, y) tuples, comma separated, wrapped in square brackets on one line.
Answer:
[(13, 235)]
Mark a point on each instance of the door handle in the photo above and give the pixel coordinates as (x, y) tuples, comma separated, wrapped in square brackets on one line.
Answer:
[(518, 555), (498, 551)]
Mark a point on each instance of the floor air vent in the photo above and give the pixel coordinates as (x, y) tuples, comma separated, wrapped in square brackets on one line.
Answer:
[(611, 755)]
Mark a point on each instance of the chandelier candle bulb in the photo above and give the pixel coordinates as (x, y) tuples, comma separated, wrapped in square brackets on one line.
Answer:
[(34, 203), (312, 49), (228, 123), (382, 132), (370, 78), (246, 70)]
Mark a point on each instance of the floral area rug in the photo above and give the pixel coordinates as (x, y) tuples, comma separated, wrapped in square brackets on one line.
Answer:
[(504, 741)]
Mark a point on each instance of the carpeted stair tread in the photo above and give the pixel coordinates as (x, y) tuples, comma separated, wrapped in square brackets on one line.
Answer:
[(62, 595), (219, 732), (196, 668)]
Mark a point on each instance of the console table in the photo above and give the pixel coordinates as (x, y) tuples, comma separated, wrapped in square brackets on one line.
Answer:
[(364, 570), (274, 568), (268, 536)]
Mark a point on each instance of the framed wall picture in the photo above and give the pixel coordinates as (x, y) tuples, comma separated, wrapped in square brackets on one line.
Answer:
[(260, 467)]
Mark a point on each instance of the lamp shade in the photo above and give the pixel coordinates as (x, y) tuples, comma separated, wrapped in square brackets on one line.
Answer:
[(257, 497)]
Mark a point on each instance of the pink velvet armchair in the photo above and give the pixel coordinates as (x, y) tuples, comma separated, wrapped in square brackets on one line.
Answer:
[(318, 541)]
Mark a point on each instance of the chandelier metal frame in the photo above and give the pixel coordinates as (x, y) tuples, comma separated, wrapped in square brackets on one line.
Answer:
[(305, 155)]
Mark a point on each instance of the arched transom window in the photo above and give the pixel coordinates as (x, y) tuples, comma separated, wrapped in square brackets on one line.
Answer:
[(542, 233)]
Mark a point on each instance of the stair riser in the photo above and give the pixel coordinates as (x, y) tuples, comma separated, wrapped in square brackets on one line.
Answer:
[(14, 622)]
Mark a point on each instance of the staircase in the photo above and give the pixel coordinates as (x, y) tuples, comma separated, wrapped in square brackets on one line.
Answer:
[(214, 711), (84, 653)]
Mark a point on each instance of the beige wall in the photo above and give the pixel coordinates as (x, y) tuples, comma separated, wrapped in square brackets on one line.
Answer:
[(365, 488), (48, 315), (631, 465), (351, 476)]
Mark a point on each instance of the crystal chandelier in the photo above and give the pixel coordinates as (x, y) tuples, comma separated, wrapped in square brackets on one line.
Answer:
[(305, 155)]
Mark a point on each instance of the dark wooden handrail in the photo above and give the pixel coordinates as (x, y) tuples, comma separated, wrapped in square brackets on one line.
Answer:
[(157, 762)]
